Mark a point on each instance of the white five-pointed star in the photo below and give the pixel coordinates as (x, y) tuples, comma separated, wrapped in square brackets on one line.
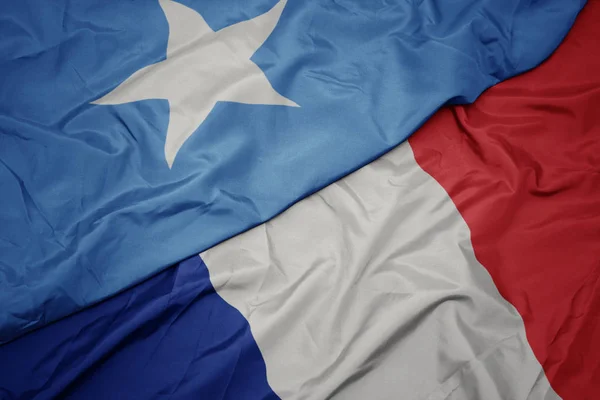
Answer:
[(202, 67)]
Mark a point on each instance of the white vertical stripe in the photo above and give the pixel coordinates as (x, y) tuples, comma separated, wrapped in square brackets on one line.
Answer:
[(370, 289)]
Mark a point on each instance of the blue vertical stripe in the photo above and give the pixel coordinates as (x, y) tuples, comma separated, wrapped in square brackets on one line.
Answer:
[(170, 337)]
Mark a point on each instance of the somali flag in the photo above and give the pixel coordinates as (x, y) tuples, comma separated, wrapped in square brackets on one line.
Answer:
[(136, 134)]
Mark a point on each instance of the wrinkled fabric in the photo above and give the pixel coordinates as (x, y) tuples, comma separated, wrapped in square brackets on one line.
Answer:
[(370, 289), (484, 157), (170, 337), (522, 164), (89, 205)]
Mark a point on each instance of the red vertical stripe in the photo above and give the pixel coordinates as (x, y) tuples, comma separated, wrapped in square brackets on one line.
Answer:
[(522, 165)]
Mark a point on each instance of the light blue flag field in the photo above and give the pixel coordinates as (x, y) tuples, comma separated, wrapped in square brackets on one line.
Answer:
[(134, 134)]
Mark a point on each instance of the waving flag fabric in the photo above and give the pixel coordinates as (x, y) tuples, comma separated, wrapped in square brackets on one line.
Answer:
[(461, 265), (135, 134)]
